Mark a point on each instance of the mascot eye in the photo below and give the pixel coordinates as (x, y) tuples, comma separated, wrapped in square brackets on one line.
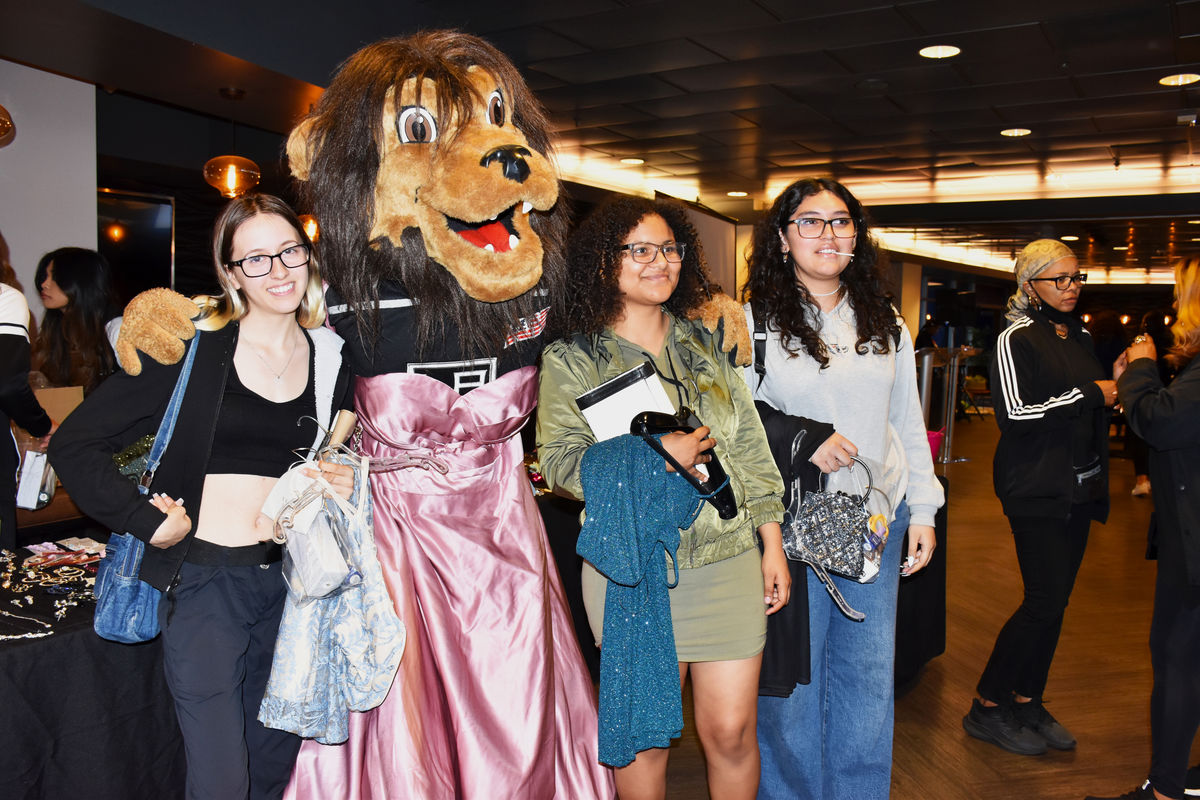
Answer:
[(415, 125), (495, 110)]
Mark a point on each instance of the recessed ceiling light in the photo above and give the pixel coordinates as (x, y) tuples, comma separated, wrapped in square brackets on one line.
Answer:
[(736, 194), (1121, 247), (1015, 132), (1069, 238), (633, 161), (942, 51), (1179, 79)]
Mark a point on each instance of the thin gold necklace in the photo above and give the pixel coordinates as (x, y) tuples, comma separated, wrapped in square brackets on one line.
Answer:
[(262, 358)]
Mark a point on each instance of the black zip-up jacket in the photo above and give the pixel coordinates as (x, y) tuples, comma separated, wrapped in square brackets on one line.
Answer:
[(1044, 392), (1168, 418), (125, 408), (786, 657)]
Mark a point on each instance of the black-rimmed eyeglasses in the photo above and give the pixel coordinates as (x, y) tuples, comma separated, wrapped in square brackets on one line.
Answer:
[(646, 252), (256, 266), (1063, 282), (814, 227)]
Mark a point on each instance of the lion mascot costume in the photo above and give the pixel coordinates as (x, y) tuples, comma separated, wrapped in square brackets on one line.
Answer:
[(426, 164)]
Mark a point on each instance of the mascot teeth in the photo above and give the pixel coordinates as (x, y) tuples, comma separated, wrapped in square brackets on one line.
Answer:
[(526, 207), (496, 235)]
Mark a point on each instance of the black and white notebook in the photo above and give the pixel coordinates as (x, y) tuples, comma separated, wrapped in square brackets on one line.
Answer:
[(609, 407)]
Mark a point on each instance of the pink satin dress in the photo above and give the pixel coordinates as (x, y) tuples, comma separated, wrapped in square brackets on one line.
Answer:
[(492, 698)]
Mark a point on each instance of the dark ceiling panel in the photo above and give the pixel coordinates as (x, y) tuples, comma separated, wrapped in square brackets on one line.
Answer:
[(623, 62), (811, 71), (799, 38), (693, 103), (625, 90), (649, 23), (682, 126)]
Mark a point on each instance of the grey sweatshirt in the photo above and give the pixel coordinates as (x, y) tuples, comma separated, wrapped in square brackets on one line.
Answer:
[(870, 399)]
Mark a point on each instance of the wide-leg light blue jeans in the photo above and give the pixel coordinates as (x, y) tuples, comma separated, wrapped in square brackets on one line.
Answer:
[(832, 739)]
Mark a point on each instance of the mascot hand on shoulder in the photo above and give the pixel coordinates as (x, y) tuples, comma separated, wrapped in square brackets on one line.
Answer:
[(723, 308), (157, 322)]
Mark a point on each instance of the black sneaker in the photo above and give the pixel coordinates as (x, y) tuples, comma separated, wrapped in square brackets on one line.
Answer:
[(1192, 782), (997, 725), (1033, 715), (1143, 792)]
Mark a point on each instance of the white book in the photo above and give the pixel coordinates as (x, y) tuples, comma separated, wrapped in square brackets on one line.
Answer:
[(611, 406)]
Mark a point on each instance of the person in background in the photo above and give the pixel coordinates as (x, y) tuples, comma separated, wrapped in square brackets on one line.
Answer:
[(17, 404), (266, 375), (1052, 398), (75, 344), (635, 271), (1167, 417), (838, 354)]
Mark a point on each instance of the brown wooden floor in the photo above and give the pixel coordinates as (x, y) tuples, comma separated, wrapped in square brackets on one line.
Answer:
[(1099, 685)]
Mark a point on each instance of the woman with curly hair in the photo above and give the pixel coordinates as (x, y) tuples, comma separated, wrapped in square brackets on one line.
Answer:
[(73, 345), (635, 272), (837, 352)]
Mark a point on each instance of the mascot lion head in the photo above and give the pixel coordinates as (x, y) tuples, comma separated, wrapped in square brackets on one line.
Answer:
[(426, 162)]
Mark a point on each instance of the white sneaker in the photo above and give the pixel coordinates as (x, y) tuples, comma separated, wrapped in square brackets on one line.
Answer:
[(1141, 489)]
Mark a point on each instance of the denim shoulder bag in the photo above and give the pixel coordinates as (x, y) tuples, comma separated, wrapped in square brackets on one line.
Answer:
[(127, 606)]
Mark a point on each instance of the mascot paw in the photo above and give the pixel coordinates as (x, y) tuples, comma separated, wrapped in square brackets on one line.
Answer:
[(723, 308), (157, 322)]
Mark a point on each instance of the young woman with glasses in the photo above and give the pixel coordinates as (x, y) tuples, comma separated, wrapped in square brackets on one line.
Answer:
[(1050, 472), (839, 357), (635, 271), (265, 371)]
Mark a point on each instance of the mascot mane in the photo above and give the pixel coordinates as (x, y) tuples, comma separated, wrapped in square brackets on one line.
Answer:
[(343, 142)]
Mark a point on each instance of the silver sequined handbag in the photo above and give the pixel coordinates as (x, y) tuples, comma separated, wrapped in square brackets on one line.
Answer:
[(830, 528)]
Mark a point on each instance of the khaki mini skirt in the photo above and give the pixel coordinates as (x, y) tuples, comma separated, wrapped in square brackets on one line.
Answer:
[(717, 610)]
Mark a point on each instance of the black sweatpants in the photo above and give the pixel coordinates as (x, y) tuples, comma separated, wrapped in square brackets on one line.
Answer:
[(1049, 552), (1175, 699), (219, 631)]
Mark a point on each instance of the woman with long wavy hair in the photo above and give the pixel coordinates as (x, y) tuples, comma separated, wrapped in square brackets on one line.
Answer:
[(73, 346), (838, 354)]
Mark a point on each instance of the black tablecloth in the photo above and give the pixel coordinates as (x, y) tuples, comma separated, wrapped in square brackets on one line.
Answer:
[(83, 717)]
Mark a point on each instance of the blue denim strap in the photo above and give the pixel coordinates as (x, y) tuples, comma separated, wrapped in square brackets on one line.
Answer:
[(167, 427)]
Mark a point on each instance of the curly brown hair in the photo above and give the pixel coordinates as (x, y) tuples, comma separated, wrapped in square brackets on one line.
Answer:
[(783, 302), (592, 300)]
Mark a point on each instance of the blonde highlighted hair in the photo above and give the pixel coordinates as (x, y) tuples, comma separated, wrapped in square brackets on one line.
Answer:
[(217, 310), (1186, 329)]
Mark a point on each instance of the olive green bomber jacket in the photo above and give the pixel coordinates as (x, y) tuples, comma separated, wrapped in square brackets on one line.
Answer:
[(715, 390)]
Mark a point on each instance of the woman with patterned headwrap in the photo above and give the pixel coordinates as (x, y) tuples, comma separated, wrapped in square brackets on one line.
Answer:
[(1051, 475)]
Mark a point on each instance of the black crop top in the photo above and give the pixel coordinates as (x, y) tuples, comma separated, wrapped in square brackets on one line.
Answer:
[(255, 436)]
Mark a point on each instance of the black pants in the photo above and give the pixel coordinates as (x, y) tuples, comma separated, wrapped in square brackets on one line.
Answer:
[(1175, 700), (219, 627), (1049, 552)]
